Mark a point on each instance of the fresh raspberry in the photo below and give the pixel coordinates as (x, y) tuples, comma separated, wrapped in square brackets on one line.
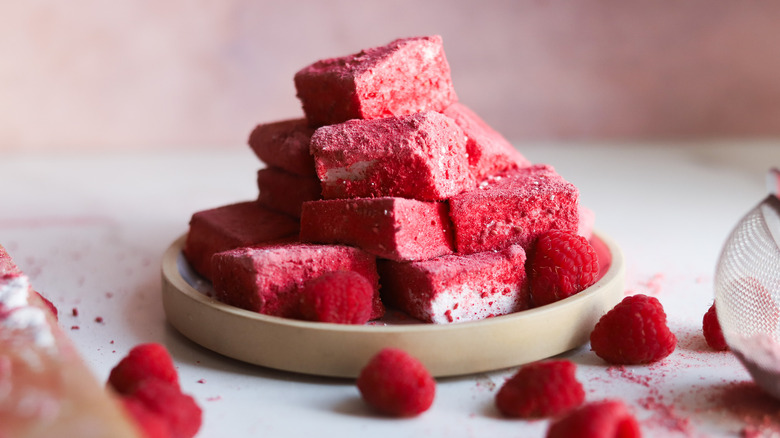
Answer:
[(561, 264), (712, 332), (342, 297), (541, 389), (152, 425), (143, 362), (182, 415), (633, 332), (397, 384), (602, 419)]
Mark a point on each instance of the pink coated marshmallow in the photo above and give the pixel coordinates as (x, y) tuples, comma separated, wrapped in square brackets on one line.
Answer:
[(284, 145), (457, 288), (286, 192), (270, 279), (404, 77), (514, 208), (390, 228), (488, 151), (233, 226), (419, 156)]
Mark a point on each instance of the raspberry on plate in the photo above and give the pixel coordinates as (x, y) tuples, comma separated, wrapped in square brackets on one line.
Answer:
[(143, 362), (602, 419), (541, 389), (397, 384), (633, 332), (342, 297), (562, 263), (712, 331)]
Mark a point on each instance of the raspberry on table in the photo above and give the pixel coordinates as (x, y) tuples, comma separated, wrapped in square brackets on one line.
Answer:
[(342, 297), (180, 411), (634, 332), (396, 384), (712, 331), (601, 419), (541, 389), (152, 425), (143, 362), (560, 265)]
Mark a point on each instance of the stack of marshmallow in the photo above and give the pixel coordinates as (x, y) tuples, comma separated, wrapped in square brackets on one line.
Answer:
[(387, 175)]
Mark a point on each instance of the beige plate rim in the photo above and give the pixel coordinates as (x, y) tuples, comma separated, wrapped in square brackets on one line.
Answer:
[(339, 350)]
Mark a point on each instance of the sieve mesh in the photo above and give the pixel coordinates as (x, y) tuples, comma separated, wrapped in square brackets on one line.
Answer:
[(747, 277)]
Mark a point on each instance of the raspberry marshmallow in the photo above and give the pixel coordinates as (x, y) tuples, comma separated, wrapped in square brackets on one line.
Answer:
[(270, 279), (233, 226), (286, 192), (454, 288), (284, 144), (515, 207), (488, 151), (408, 75), (420, 156), (391, 228)]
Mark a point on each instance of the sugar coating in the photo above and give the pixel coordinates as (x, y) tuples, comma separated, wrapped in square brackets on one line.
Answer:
[(285, 145), (7, 265), (454, 288), (270, 279), (232, 226), (391, 228), (515, 207), (420, 156), (408, 75), (284, 191), (488, 151)]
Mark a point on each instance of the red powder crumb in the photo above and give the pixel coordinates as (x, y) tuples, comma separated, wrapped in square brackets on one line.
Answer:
[(74, 327), (653, 284), (663, 414), (202, 381), (215, 398), (75, 312), (99, 320), (758, 411)]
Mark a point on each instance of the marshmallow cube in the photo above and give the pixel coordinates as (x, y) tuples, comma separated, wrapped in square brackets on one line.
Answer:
[(269, 279), (456, 288), (284, 145), (286, 192), (233, 226), (515, 207), (420, 156), (404, 77), (488, 151), (391, 228)]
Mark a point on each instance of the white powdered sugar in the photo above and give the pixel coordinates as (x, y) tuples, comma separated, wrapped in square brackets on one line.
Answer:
[(17, 314)]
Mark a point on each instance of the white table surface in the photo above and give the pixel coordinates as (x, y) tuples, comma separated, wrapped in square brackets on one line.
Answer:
[(90, 230)]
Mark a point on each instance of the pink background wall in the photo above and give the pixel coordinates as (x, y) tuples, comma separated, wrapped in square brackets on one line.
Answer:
[(194, 74)]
